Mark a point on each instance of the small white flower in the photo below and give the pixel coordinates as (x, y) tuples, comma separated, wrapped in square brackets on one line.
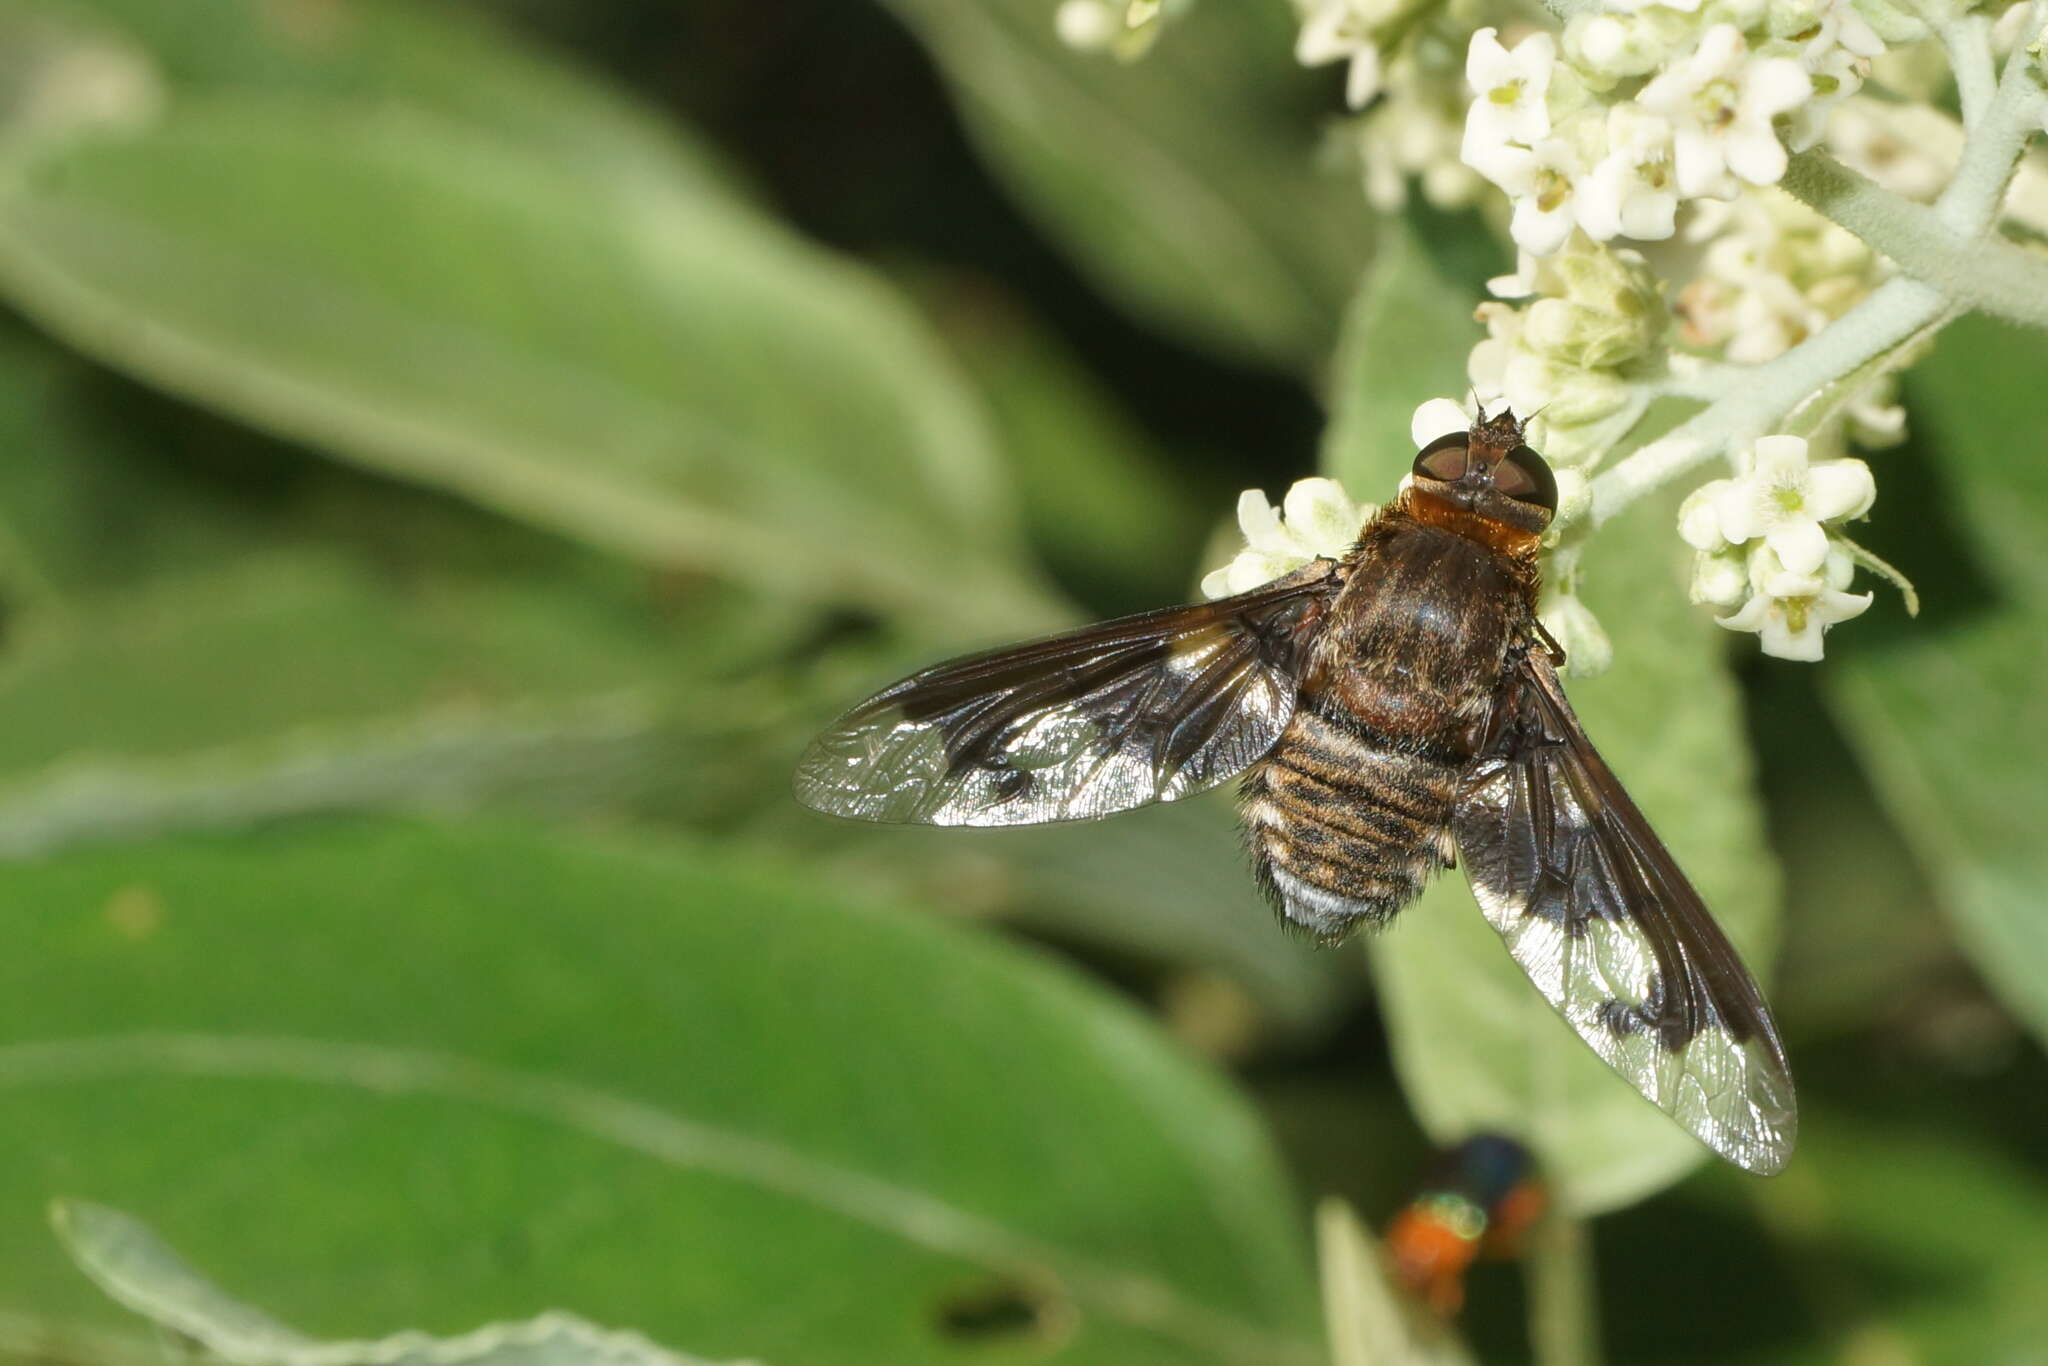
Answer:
[(1781, 500), (1875, 418), (1720, 102), (2006, 29), (1413, 132), (1633, 192), (1720, 578), (1836, 74), (1544, 182), (1438, 417), (1784, 498), (1792, 628), (1611, 46), (1587, 650), (1533, 275), (1607, 46), (1699, 523), (1317, 519), (1510, 89), (1085, 25), (1574, 490), (1337, 31), (1841, 27), (1362, 81), (1448, 183), (1769, 576), (1910, 149), (1770, 316)]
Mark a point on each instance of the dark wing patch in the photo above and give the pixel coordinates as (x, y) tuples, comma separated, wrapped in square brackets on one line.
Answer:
[(1142, 709), (1596, 911)]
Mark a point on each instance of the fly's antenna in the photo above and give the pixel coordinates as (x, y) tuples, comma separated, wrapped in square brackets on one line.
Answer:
[(1478, 421)]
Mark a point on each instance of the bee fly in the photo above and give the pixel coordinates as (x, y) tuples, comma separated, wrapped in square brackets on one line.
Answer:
[(1393, 712)]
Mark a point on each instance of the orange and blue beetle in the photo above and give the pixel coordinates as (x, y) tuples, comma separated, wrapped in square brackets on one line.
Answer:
[(1478, 1199)]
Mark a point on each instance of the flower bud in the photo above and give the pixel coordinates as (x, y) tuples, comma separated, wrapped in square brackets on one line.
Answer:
[(1698, 520), (1611, 310), (1720, 578), (1574, 493), (1573, 626)]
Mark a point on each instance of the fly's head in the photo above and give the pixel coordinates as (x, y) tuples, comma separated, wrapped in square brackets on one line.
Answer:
[(1486, 484)]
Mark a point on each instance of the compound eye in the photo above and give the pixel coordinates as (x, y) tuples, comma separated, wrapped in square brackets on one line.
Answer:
[(1525, 477), (1444, 458)]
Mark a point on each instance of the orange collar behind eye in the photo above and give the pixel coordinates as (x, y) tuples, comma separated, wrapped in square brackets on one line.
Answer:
[(1431, 510)]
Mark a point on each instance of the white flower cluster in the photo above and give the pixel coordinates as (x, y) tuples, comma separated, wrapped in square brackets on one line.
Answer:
[(1770, 554), (1412, 134), (1588, 323), (1642, 109), (1774, 272), (1670, 123), (1342, 31), (1652, 105), (1401, 70), (1316, 520)]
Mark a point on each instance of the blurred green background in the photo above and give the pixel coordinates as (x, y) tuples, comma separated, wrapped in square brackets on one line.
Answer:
[(453, 456)]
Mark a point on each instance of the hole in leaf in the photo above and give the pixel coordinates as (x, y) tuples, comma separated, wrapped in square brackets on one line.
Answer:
[(1007, 1311)]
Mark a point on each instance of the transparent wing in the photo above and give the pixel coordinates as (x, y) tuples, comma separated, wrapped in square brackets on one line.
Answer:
[(1140, 709), (1596, 911)]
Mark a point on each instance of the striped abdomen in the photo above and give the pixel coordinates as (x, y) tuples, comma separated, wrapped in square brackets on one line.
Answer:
[(1343, 824)]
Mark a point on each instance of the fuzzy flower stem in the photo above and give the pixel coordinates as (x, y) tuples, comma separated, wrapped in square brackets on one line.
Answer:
[(1706, 384), (1967, 39), (1894, 313), (1969, 205), (1988, 275)]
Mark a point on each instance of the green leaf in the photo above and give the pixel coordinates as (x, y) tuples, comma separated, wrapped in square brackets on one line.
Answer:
[(1173, 882), (675, 380), (104, 489), (1973, 399), (1477, 1048), (121, 1256), (1168, 882), (137, 716), (1920, 1242), (407, 1074), (1949, 726), (1407, 333), (1848, 873), (1949, 715), (1187, 184), (441, 60), (1104, 504)]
